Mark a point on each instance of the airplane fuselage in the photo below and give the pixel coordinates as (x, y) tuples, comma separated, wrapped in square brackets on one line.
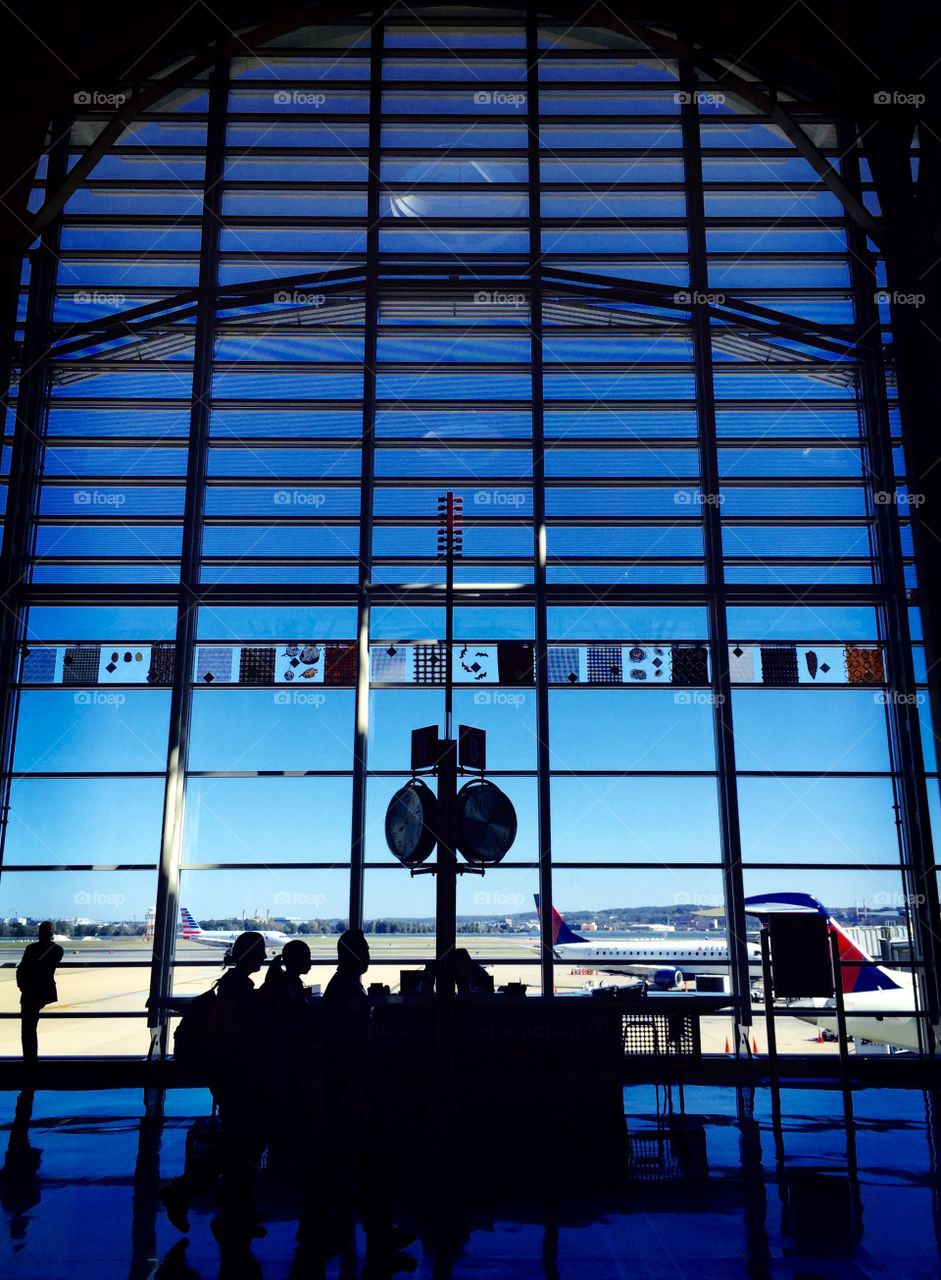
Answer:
[(885, 1028), (646, 956), (218, 938)]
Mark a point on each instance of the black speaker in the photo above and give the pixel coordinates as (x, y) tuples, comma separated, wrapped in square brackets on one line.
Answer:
[(801, 964)]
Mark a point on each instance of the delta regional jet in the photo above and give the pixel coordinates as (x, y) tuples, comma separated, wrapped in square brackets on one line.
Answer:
[(224, 938), (667, 961), (868, 987)]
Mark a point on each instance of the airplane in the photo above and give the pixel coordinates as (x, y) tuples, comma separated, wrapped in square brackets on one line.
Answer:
[(224, 938), (669, 960), (867, 985)]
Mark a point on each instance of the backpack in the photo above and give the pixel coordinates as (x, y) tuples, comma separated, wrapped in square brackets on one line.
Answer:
[(192, 1040)]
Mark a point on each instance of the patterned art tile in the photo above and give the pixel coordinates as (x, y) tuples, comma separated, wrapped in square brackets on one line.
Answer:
[(742, 664), (340, 664), (214, 665), (690, 664), (515, 662), (39, 666), (474, 664), (646, 663), (779, 664), (390, 663), (80, 664), (604, 664), (124, 664), (563, 662), (864, 666)]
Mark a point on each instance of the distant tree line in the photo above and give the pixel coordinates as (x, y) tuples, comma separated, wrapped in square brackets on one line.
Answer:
[(120, 929)]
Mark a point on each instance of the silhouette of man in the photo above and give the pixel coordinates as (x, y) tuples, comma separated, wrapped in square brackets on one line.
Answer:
[(351, 1124), (36, 979)]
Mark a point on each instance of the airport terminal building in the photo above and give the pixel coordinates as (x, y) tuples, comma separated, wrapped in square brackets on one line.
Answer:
[(565, 375)]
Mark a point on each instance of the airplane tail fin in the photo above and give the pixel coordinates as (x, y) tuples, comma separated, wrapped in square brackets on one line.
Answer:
[(860, 972), (560, 930), (190, 928)]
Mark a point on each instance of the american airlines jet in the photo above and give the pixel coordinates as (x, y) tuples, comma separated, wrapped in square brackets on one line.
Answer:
[(867, 986), (224, 938), (668, 961)]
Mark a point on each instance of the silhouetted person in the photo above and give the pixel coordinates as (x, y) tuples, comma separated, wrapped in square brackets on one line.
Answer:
[(351, 1126), (297, 1102), (36, 979), (239, 1089), (470, 978), (285, 998)]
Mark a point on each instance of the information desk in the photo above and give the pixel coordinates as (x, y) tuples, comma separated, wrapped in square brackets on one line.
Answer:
[(525, 1070)]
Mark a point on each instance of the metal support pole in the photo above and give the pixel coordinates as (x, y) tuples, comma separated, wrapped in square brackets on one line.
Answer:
[(541, 663), (734, 892), (770, 1029), (446, 881), (25, 466), (367, 485), (840, 1007), (923, 908), (168, 882)]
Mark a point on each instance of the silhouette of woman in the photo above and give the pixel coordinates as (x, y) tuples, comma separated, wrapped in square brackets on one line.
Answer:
[(237, 1083)]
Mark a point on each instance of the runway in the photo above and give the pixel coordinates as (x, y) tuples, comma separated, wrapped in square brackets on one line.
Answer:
[(112, 975)]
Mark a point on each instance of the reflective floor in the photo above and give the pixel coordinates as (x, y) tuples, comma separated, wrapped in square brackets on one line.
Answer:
[(733, 1191)]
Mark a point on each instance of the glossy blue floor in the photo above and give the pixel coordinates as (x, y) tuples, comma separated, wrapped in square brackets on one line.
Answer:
[(735, 1191)]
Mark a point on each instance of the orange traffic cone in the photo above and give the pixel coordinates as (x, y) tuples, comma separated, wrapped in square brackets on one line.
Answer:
[(820, 1039), (727, 1044), (754, 1045)]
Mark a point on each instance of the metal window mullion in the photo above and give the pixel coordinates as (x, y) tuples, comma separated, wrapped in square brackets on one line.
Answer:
[(543, 779), (367, 482), (168, 881), (919, 876), (730, 830), (25, 467)]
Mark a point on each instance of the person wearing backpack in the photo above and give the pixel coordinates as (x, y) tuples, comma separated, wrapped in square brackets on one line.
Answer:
[(296, 1116), (224, 1040)]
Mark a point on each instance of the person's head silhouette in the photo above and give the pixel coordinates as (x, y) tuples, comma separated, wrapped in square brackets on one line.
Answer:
[(295, 958), (247, 953), (353, 951), (46, 931)]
